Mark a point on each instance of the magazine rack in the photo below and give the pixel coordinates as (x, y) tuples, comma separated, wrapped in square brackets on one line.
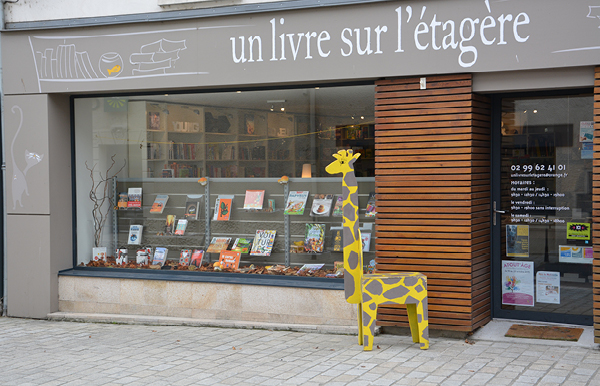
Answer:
[(242, 223)]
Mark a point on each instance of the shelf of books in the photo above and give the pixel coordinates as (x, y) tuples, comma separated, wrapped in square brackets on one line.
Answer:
[(168, 140), (169, 214), (246, 222)]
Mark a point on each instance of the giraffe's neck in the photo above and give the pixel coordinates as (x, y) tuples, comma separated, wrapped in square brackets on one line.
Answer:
[(351, 202)]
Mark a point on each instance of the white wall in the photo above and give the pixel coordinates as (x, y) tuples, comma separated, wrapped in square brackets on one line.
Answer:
[(40, 10)]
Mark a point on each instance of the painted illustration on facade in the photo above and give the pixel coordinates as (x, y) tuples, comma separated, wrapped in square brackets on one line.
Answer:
[(72, 58), (157, 57), (19, 181)]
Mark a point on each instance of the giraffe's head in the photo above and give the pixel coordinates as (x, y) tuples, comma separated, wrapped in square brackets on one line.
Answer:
[(344, 162)]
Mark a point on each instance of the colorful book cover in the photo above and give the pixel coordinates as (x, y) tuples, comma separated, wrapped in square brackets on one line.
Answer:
[(242, 245), (321, 205), (160, 256), (296, 202), (336, 237), (224, 210), (135, 234), (192, 207), (254, 199), (338, 209), (263, 243), (366, 241), (159, 203), (230, 259), (168, 173), (370, 210), (197, 257), (249, 124), (123, 200), (185, 256), (170, 224), (218, 203), (181, 226), (218, 244), (134, 197), (314, 237)]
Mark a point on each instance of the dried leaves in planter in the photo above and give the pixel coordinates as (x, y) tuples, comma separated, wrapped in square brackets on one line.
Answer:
[(255, 270)]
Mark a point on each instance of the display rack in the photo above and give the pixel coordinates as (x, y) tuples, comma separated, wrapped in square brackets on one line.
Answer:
[(243, 223)]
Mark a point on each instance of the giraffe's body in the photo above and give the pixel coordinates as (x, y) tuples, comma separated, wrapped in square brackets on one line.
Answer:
[(369, 291)]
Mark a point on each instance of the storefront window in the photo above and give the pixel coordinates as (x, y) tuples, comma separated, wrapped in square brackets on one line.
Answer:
[(547, 195), (173, 174)]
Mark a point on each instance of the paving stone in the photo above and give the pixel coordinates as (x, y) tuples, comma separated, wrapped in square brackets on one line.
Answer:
[(38, 352)]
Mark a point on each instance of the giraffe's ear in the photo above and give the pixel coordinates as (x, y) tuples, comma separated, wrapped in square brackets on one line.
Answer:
[(336, 156), (356, 156)]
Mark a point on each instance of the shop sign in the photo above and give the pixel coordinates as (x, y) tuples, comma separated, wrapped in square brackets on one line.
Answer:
[(322, 44)]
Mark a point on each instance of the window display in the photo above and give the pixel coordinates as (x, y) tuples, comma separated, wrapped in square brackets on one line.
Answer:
[(223, 181)]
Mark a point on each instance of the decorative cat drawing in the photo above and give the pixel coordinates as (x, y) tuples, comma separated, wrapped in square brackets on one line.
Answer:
[(19, 182)]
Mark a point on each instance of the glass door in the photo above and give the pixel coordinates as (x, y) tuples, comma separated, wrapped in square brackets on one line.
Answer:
[(542, 208)]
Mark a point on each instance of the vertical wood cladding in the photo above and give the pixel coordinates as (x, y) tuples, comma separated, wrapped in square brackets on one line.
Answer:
[(596, 207), (432, 182)]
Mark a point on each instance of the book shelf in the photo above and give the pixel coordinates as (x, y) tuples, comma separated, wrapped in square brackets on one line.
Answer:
[(180, 141)]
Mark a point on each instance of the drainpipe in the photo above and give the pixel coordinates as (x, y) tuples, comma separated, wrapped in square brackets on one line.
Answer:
[(4, 258)]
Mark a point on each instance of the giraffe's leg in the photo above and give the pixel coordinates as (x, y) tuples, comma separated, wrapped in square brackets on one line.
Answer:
[(370, 315), (360, 324), (411, 309), (423, 323)]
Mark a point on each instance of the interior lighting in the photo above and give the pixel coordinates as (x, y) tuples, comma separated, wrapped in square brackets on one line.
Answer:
[(306, 171)]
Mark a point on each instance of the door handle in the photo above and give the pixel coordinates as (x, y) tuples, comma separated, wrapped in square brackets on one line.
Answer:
[(496, 211)]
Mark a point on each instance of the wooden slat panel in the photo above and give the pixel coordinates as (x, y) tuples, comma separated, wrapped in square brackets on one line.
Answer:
[(433, 197)]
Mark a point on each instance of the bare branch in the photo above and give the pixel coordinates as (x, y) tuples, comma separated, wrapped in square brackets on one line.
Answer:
[(100, 195)]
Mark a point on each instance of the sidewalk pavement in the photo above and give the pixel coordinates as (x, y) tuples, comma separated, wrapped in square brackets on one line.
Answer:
[(42, 352)]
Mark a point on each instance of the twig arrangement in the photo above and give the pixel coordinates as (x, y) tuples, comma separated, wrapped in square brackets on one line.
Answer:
[(100, 195)]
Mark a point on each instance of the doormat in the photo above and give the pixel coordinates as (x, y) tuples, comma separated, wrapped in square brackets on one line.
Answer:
[(544, 332)]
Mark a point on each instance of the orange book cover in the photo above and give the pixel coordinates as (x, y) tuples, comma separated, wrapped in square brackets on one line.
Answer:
[(230, 259), (224, 209)]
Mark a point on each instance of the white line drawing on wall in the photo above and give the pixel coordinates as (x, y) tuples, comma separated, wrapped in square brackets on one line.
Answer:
[(110, 65), (593, 13), (61, 62), (19, 181), (156, 57), (64, 62)]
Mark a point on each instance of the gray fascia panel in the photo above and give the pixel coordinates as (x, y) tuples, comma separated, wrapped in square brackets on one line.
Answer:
[(182, 15)]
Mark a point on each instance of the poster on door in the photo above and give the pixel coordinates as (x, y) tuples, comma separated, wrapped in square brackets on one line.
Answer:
[(578, 231), (517, 283), (547, 287), (517, 240), (575, 254)]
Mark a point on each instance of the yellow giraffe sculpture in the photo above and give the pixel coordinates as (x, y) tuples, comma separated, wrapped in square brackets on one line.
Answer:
[(369, 291)]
